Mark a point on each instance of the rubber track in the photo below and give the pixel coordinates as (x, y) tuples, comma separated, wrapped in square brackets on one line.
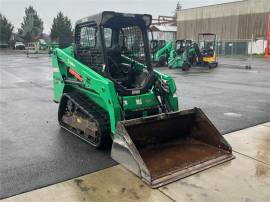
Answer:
[(92, 110)]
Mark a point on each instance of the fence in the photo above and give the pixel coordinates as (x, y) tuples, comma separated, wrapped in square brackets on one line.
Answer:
[(241, 48), (242, 51)]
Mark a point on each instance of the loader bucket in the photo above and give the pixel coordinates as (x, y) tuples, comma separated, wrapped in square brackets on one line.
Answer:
[(164, 148)]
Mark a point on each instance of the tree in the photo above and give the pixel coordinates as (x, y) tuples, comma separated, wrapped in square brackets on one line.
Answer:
[(32, 25), (6, 29), (61, 27)]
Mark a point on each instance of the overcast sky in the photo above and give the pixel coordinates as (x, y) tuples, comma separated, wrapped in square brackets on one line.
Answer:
[(76, 9)]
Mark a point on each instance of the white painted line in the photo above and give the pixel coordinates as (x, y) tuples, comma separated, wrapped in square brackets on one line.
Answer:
[(232, 114)]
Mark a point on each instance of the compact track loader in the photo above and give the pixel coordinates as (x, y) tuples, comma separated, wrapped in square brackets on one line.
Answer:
[(108, 92)]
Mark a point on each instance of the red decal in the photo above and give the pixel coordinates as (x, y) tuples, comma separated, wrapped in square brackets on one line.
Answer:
[(71, 71)]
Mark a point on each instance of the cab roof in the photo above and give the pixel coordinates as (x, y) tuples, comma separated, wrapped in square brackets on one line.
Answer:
[(103, 17)]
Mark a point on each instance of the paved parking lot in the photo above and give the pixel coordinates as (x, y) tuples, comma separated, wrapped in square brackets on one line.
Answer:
[(232, 97), (35, 152), (248, 173)]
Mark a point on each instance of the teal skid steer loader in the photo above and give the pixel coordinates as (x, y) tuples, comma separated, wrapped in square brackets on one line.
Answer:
[(109, 94)]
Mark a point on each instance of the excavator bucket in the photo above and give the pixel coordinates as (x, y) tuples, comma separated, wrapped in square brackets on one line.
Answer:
[(164, 148)]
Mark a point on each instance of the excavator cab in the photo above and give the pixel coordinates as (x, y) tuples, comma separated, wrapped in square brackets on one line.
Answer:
[(159, 52), (154, 46), (191, 52), (180, 46), (161, 43)]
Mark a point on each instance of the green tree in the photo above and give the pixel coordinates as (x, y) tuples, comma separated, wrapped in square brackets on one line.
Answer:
[(61, 27), (6, 29), (32, 25)]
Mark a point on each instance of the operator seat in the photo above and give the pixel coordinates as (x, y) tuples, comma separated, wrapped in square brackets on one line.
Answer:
[(122, 73)]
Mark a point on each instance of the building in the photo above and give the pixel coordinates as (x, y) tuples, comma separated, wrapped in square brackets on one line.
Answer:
[(164, 32), (235, 20)]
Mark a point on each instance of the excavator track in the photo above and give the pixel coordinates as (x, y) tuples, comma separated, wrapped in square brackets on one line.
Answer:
[(83, 118)]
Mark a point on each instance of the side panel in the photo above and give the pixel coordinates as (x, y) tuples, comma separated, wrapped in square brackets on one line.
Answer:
[(92, 96), (58, 83), (143, 101)]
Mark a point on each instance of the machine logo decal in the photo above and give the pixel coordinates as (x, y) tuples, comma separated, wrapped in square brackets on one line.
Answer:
[(138, 101)]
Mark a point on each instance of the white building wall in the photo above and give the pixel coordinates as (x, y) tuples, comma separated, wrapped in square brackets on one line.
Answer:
[(167, 36), (257, 47)]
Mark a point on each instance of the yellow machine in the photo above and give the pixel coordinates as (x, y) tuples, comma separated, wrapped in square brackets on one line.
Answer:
[(205, 50)]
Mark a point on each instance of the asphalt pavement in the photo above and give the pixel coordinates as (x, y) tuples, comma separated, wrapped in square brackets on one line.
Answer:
[(35, 152)]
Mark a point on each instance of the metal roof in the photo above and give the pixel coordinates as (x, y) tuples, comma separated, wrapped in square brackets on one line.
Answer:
[(164, 28), (97, 18)]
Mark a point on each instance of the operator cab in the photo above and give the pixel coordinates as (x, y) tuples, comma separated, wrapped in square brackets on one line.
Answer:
[(116, 45), (180, 46), (154, 46), (206, 42)]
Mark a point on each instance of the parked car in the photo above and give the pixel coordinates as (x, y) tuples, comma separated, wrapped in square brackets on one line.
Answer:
[(19, 45)]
